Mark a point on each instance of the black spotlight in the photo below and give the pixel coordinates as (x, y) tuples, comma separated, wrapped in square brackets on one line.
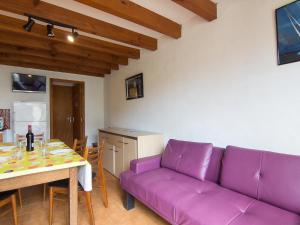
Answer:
[(73, 36), (50, 32), (28, 26)]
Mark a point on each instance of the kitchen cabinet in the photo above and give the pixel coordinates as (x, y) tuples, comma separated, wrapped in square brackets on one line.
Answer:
[(108, 158), (124, 145)]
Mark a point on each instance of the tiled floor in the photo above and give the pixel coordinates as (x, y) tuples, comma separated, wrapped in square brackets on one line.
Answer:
[(35, 210)]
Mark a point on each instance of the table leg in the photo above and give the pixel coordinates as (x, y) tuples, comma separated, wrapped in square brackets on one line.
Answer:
[(73, 192)]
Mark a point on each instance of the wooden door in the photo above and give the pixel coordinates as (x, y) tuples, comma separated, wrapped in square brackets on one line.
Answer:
[(67, 110), (78, 117), (62, 118)]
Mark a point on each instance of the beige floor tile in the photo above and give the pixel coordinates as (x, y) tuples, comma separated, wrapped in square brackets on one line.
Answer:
[(35, 210)]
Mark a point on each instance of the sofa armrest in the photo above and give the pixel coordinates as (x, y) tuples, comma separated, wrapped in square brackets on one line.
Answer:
[(143, 165)]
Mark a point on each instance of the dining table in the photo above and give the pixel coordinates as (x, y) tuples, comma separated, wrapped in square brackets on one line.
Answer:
[(50, 161)]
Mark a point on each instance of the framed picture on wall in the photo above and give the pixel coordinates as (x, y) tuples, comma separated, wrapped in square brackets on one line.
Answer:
[(134, 87), (288, 33), (4, 119)]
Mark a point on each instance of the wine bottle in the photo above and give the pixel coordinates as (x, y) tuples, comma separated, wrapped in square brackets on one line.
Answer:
[(30, 139)]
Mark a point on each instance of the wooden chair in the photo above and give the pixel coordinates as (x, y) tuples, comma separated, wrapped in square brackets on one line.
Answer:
[(79, 145), (96, 160), (22, 138), (62, 187), (9, 197), (1, 138)]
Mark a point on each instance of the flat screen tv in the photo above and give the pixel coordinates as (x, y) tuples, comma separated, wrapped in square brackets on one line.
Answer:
[(28, 83)]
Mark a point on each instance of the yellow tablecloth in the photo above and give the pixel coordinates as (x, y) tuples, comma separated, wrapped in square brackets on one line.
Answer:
[(35, 160)]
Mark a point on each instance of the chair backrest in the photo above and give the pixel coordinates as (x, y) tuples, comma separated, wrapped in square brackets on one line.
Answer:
[(93, 156), (96, 154), (1, 138), (85, 153), (79, 145), (39, 137), (21, 138), (101, 149)]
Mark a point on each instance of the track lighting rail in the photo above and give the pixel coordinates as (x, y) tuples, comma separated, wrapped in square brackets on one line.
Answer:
[(50, 26), (52, 22)]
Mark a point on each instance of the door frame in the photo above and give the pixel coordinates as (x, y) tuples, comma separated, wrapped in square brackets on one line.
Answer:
[(82, 99)]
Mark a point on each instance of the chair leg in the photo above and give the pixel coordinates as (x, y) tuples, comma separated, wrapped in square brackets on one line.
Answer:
[(102, 182), (45, 191), (14, 208), (104, 196), (51, 204), (90, 207), (20, 198)]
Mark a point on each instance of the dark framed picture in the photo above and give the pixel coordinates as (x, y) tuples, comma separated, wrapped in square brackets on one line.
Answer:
[(288, 33), (134, 87), (4, 119)]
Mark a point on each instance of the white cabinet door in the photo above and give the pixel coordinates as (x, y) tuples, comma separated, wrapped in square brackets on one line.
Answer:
[(108, 158), (130, 152), (118, 161), (30, 111)]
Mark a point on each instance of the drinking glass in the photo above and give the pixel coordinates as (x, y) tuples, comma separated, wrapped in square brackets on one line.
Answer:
[(20, 145), (43, 149), (42, 144), (18, 153)]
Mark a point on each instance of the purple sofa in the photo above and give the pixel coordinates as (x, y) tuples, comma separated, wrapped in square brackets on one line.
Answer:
[(198, 184)]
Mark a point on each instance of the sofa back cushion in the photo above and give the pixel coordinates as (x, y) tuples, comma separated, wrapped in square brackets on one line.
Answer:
[(189, 158), (214, 168), (270, 177)]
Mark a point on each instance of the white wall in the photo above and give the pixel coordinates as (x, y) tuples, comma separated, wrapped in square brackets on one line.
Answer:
[(94, 100), (219, 83)]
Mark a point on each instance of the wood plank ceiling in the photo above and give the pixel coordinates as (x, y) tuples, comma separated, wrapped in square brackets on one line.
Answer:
[(87, 55)]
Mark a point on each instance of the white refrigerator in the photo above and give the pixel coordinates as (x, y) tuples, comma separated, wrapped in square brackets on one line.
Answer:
[(30, 113)]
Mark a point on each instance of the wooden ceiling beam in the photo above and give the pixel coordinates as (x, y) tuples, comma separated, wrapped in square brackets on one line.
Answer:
[(19, 50), (135, 13), (204, 8), (52, 62), (38, 30), (27, 40), (36, 2), (80, 21), (4, 61)]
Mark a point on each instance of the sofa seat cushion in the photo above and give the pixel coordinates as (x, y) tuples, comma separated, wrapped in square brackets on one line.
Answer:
[(217, 206), (222, 207), (189, 158), (260, 213), (183, 200), (162, 189)]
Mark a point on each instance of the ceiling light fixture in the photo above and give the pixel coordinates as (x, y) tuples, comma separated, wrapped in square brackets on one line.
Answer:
[(50, 32), (50, 26), (28, 26), (73, 36)]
